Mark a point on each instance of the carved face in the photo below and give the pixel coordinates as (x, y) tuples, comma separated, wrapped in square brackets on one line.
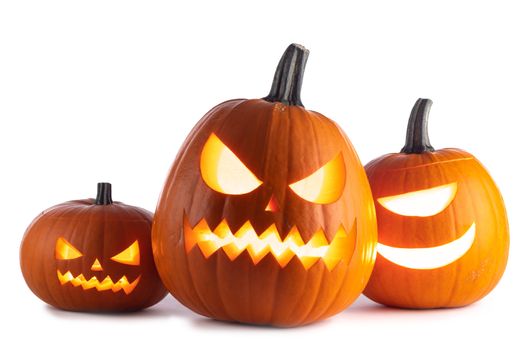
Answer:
[(86, 257), (408, 237), (265, 196), (262, 190), (88, 280), (223, 172), (420, 204)]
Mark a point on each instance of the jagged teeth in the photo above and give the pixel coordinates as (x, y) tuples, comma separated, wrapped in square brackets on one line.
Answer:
[(106, 284), (269, 242)]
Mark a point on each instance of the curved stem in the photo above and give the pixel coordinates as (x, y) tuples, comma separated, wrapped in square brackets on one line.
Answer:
[(288, 78), (417, 140), (103, 194)]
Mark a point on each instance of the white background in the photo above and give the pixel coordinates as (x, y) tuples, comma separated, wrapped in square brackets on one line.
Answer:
[(107, 91)]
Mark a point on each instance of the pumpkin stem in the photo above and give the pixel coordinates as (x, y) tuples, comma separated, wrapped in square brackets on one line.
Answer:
[(417, 140), (288, 78), (103, 194)]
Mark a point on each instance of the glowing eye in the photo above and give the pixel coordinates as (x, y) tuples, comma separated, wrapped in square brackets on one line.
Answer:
[(65, 250), (129, 256), (223, 171), (421, 203), (325, 185)]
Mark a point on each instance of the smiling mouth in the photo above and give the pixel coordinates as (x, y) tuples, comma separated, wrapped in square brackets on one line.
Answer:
[(106, 284), (429, 258), (269, 242)]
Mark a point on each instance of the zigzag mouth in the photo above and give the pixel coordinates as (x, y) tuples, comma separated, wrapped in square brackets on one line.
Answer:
[(106, 284), (269, 243)]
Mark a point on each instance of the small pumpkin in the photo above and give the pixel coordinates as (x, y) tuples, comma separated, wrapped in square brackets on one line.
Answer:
[(266, 216), (92, 255), (442, 226)]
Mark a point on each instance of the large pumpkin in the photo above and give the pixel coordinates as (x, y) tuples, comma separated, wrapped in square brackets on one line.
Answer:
[(92, 255), (442, 227), (266, 216)]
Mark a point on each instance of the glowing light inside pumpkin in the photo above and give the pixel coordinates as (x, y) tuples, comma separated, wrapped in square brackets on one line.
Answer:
[(429, 258), (106, 284), (269, 242), (223, 171), (65, 250), (421, 203), (272, 205), (129, 256), (96, 266), (325, 185)]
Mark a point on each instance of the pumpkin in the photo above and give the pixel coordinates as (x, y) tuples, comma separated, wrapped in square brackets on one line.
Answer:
[(266, 216), (92, 255), (442, 227)]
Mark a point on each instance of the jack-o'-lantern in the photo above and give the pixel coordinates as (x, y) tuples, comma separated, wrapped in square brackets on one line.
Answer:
[(266, 216), (443, 236), (92, 255)]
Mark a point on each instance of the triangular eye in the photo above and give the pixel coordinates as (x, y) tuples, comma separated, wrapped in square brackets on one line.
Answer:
[(223, 172), (65, 250), (129, 256), (325, 185)]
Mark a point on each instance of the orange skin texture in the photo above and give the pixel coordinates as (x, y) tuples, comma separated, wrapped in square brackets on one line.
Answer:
[(98, 232), (280, 144), (477, 200)]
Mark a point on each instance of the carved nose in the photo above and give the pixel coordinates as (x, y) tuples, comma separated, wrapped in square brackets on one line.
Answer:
[(96, 266), (272, 205)]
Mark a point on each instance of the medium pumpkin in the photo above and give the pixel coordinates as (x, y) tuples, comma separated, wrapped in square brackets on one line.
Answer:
[(266, 216), (442, 226), (92, 255)]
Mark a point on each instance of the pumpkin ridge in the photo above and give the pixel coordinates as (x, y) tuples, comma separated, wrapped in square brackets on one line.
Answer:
[(313, 303), (225, 305), (196, 299)]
